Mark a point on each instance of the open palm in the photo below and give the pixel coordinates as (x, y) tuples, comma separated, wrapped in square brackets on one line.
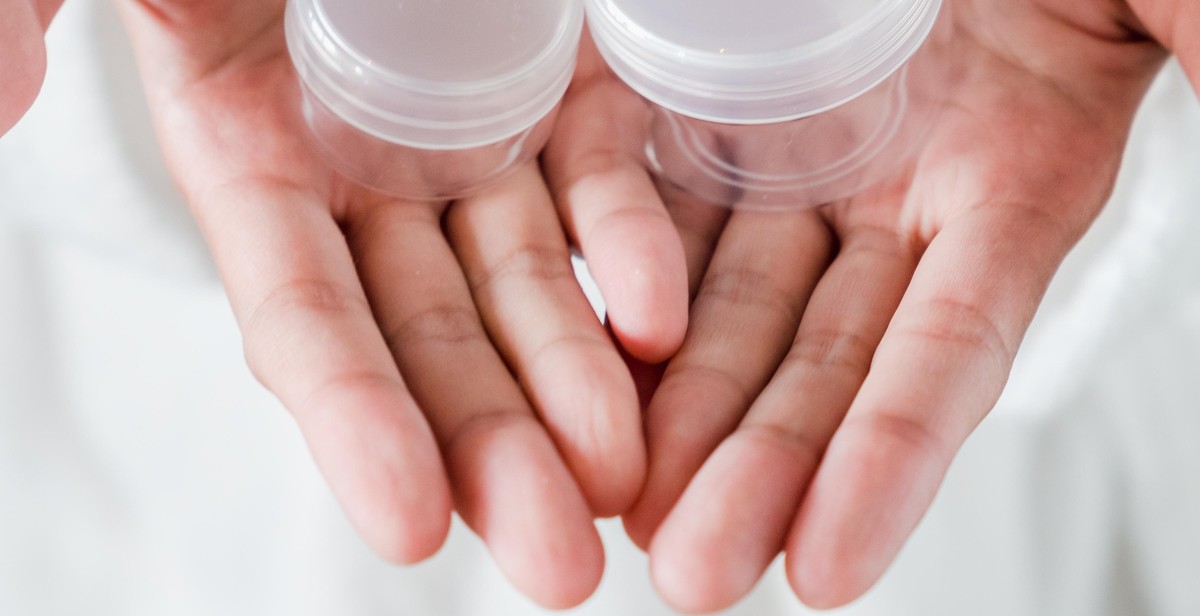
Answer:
[(434, 355), (837, 358)]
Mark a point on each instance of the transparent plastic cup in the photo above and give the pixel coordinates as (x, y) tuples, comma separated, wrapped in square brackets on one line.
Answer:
[(775, 103), (431, 99)]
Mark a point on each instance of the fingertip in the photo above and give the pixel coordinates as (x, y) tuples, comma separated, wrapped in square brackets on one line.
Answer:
[(560, 564), (409, 539), (590, 408), (645, 287), (871, 492), (571, 590), (618, 463), (730, 523), (666, 315), (646, 329), (692, 578), (820, 568), (610, 483), (611, 496), (558, 575), (825, 582), (403, 519), (684, 586), (594, 416), (385, 471), (515, 492)]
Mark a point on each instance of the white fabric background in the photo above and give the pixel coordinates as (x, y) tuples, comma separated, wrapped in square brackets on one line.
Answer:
[(143, 472)]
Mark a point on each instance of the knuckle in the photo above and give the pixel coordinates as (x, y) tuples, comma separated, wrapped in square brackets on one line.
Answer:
[(295, 302), (910, 433), (445, 323), (580, 343), (802, 445), (692, 375), (307, 296), (488, 424), (529, 262), (876, 240), (835, 349), (341, 382), (946, 321), (743, 288)]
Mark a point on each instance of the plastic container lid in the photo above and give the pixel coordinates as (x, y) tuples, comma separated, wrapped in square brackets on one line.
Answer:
[(757, 61), (444, 74)]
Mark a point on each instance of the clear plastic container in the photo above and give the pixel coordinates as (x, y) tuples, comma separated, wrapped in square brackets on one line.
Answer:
[(775, 103), (432, 99)]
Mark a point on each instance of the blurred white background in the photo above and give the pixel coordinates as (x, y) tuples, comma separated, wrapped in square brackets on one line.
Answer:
[(144, 472)]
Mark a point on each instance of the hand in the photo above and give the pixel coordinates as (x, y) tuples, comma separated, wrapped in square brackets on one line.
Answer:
[(837, 358), (22, 55), (417, 345)]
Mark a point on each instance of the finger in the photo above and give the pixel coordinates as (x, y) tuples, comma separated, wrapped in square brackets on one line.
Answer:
[(940, 368), (732, 519), (515, 257), (613, 213), (744, 316), (699, 225), (510, 484), (310, 338)]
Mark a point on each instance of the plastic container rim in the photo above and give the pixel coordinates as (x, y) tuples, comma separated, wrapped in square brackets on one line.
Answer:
[(319, 67), (645, 60)]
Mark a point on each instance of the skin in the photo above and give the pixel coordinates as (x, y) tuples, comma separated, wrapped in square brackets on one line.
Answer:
[(837, 358), (434, 355), (862, 361), (22, 25)]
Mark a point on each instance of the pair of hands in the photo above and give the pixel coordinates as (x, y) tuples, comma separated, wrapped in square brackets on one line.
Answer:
[(442, 356)]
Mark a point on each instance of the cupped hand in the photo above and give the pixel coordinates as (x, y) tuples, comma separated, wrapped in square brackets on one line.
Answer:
[(434, 355), (838, 357)]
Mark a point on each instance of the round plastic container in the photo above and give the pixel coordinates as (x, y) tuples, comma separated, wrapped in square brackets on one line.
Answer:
[(429, 99), (773, 103)]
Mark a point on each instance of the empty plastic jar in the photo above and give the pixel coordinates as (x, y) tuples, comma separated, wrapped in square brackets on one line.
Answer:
[(431, 99), (773, 103)]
